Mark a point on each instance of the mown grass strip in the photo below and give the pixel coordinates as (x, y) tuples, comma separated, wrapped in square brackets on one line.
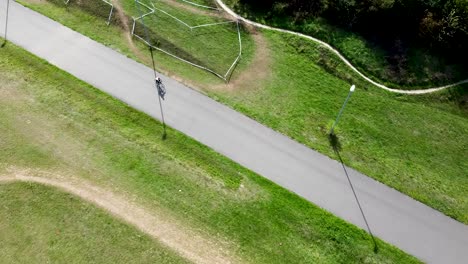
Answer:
[(42, 224)]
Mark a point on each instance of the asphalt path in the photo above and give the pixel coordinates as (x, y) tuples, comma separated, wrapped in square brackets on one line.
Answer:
[(393, 217)]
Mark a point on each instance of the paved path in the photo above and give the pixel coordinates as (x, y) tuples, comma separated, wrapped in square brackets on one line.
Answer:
[(394, 217), (326, 45)]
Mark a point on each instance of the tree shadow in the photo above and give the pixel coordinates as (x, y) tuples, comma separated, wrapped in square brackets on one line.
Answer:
[(335, 143)]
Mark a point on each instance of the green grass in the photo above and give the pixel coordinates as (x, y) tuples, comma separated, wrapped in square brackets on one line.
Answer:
[(77, 129), (419, 68), (201, 2), (39, 224), (212, 47), (415, 144)]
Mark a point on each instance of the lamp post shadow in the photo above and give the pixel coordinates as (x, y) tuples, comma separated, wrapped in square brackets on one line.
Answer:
[(335, 143), (164, 135), (148, 40)]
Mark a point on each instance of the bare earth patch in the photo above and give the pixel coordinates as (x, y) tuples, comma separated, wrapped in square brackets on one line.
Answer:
[(127, 32), (189, 244), (259, 69)]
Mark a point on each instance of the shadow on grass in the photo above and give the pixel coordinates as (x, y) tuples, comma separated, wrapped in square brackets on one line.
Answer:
[(159, 41), (98, 9), (460, 96), (334, 142), (336, 145)]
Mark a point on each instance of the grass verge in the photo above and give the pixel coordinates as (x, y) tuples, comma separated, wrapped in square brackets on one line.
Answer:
[(41, 224), (208, 3), (214, 47), (62, 124)]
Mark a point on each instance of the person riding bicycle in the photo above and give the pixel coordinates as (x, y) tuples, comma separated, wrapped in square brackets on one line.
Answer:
[(161, 88)]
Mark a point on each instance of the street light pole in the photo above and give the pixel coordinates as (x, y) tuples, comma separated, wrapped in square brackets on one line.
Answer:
[(351, 90), (6, 22)]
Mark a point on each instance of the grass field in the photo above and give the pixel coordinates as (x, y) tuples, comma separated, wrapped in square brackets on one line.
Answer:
[(215, 47), (415, 68), (200, 2), (60, 124), (412, 143), (41, 224)]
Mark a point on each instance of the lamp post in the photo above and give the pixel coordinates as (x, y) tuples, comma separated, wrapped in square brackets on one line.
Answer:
[(351, 90), (6, 22)]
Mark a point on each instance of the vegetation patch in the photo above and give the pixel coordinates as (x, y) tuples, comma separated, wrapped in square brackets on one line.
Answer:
[(207, 40), (409, 44), (214, 47), (41, 224), (207, 3)]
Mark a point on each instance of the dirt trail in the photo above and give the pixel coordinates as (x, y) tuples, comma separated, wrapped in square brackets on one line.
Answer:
[(127, 32), (257, 70), (187, 243)]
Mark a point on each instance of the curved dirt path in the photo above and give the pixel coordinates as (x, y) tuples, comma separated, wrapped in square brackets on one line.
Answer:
[(189, 244), (423, 91)]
